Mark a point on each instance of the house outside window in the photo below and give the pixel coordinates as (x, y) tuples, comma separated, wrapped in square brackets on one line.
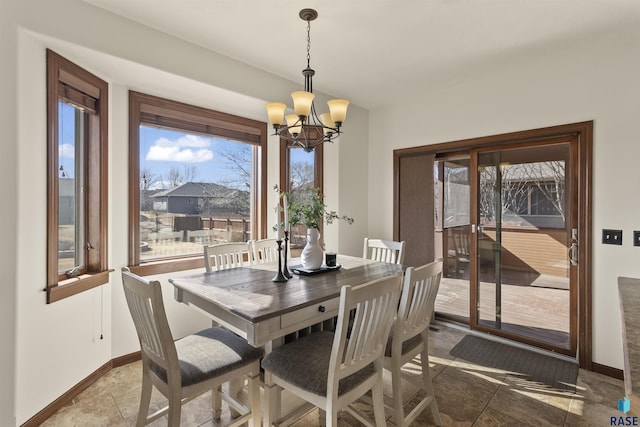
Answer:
[(532, 193)]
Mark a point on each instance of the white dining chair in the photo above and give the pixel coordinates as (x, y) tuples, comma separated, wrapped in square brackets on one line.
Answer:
[(409, 338), (330, 371), (384, 250), (225, 255), (184, 369), (264, 250)]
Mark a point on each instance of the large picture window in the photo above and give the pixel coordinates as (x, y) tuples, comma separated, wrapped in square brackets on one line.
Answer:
[(196, 178), (77, 179)]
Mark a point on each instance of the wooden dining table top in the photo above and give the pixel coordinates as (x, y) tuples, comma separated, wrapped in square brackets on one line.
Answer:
[(250, 293)]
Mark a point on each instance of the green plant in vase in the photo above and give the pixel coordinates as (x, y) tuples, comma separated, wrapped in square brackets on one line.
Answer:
[(311, 211)]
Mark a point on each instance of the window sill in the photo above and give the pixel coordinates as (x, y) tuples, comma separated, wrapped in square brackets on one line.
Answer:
[(69, 287), (167, 266)]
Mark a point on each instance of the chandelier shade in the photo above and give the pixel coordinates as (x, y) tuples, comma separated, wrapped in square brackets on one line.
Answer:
[(305, 128)]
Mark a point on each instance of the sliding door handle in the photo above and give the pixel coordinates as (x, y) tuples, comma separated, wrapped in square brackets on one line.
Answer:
[(573, 253)]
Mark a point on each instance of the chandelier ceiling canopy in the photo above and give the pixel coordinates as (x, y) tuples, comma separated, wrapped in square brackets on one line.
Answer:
[(305, 128)]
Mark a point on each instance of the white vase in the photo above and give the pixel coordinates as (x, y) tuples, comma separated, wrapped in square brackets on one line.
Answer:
[(312, 253)]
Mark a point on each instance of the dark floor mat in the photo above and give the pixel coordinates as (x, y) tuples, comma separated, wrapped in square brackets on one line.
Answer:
[(525, 364)]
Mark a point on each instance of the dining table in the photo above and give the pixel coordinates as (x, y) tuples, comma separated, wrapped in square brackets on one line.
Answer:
[(247, 301)]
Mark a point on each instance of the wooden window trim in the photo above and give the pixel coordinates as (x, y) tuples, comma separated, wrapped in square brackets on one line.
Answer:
[(68, 81), (318, 171), (165, 113)]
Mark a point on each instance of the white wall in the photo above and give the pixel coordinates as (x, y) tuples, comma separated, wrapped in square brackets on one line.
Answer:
[(47, 349), (9, 197), (589, 79)]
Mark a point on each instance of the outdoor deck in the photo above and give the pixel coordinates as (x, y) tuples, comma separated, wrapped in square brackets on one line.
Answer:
[(537, 309)]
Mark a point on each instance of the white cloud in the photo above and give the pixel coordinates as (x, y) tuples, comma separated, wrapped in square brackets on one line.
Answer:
[(175, 154), (66, 150), (181, 150)]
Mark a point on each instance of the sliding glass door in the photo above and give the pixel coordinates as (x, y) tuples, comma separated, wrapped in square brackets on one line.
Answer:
[(524, 229), (452, 195), (510, 216)]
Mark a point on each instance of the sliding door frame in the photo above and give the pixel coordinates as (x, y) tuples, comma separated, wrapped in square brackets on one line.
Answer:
[(581, 172)]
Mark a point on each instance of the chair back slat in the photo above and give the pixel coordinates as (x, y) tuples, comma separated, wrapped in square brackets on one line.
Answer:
[(371, 307), (384, 250), (142, 312), (224, 255), (262, 251), (417, 302), (144, 299)]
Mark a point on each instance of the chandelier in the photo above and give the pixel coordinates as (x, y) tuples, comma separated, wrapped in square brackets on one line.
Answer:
[(305, 128)]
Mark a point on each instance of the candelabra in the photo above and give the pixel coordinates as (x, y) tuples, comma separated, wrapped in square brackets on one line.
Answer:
[(279, 277)]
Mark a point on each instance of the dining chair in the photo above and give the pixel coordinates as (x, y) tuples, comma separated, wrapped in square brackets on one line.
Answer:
[(462, 246), (190, 366), (409, 338), (264, 250), (225, 255), (384, 250), (330, 371)]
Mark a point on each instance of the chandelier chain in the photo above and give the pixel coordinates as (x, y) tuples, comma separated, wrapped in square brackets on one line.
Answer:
[(308, 43)]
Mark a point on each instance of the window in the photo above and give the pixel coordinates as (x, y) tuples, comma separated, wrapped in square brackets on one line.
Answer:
[(533, 194), (196, 177), (302, 171), (77, 179), (455, 193)]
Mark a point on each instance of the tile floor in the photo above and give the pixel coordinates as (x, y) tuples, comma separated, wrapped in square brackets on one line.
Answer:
[(467, 395)]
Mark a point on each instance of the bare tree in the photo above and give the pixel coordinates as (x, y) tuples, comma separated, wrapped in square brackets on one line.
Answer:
[(508, 184), (301, 175), (239, 161), (176, 177), (148, 179), (515, 185), (549, 178), (189, 173)]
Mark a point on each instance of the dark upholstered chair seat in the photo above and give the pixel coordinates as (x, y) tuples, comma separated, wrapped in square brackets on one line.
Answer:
[(311, 355), (407, 346), (210, 353)]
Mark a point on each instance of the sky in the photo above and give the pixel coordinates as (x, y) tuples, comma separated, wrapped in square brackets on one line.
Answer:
[(161, 150)]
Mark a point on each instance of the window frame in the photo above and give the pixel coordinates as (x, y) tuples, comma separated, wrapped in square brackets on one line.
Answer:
[(285, 171), (285, 159), (155, 111), (75, 85)]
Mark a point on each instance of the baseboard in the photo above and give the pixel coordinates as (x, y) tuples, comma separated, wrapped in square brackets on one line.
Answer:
[(126, 359), (72, 393), (608, 371)]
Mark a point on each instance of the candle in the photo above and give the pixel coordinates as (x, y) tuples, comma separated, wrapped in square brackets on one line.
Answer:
[(278, 221), (286, 213)]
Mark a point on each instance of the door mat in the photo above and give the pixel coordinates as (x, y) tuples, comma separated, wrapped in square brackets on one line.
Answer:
[(526, 364)]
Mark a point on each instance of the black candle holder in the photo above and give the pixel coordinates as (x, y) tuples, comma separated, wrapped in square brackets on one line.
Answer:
[(285, 268), (279, 277)]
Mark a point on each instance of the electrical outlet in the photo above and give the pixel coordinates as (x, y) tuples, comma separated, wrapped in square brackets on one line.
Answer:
[(636, 238), (611, 237)]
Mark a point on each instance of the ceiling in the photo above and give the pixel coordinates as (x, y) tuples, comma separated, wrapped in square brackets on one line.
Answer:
[(369, 51)]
